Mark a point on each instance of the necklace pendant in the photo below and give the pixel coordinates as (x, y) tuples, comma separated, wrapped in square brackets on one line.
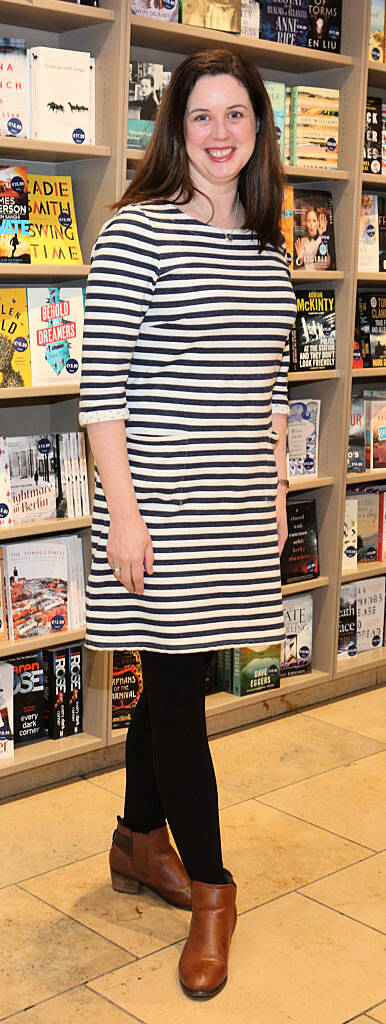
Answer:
[(229, 236)]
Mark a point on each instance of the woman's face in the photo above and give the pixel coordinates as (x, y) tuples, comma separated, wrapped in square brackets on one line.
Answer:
[(312, 224), (219, 127)]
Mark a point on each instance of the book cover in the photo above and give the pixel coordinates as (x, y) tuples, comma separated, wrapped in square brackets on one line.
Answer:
[(350, 535), (324, 26), (28, 696), (376, 318), (255, 669), (167, 9), (65, 472), (53, 234), (14, 112), (361, 343), (55, 692), (370, 613), (74, 689), (314, 126), (276, 93), (250, 18), (368, 248), (6, 711), (60, 95), (378, 434), (75, 473), (287, 130), (83, 473), (303, 437), (356, 455), (287, 222), (15, 355), (284, 21), (383, 137), (6, 512), (36, 484), (381, 552), (55, 315), (300, 557), (314, 239), (14, 222), (145, 89), (347, 633), (368, 518), (36, 588), (139, 133), (126, 688), (382, 232), (372, 150), (296, 656), (3, 607), (313, 343), (222, 16), (377, 35)]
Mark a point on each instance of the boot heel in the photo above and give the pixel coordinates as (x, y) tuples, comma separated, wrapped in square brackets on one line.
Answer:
[(121, 883)]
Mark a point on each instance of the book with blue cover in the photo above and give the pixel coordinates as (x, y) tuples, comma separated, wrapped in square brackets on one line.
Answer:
[(284, 21), (303, 437)]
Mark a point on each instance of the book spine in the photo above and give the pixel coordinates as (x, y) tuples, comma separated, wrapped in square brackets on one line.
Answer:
[(294, 123), (83, 473), (8, 602), (91, 128), (3, 614), (63, 477), (68, 478), (236, 675), (79, 576), (75, 473), (55, 693), (74, 689)]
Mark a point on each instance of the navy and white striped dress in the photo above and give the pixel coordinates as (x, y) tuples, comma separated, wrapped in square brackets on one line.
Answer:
[(186, 338)]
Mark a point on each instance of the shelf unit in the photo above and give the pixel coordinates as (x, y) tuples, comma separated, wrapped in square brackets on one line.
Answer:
[(99, 174)]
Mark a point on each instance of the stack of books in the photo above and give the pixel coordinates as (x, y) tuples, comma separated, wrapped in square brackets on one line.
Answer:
[(41, 331), (41, 695), (42, 587), (37, 218), (43, 476)]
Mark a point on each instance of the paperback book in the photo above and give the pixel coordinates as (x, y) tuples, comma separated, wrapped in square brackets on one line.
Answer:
[(284, 21), (296, 656), (28, 696), (55, 316), (250, 18), (74, 689), (15, 355), (6, 510), (375, 421), (313, 336), (300, 557), (368, 249), (287, 222), (255, 669), (356, 456), (314, 126), (367, 523), (55, 692), (127, 687), (167, 9), (314, 239), (377, 33), (14, 114), (370, 613), (350, 535), (36, 484), (277, 95), (221, 15), (61, 95), (52, 221), (381, 553), (383, 137), (6, 711), (3, 607), (324, 26), (14, 222), (372, 150), (347, 634), (382, 232), (303, 437), (36, 588)]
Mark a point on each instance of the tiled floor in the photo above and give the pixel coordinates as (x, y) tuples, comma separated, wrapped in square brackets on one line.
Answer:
[(304, 832)]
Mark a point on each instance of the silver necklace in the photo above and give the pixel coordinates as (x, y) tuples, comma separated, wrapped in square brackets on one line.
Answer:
[(227, 234)]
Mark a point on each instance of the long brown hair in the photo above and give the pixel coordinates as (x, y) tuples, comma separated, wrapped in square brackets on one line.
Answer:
[(164, 170)]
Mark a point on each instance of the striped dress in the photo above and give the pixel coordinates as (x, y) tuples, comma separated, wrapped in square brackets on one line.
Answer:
[(186, 338)]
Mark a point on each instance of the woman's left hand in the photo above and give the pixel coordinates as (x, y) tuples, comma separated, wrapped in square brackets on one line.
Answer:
[(281, 516)]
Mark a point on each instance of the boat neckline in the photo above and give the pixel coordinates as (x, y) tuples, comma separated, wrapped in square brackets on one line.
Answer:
[(212, 227)]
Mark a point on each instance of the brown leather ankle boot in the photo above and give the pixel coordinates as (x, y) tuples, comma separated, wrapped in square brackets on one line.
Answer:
[(203, 967), (138, 859)]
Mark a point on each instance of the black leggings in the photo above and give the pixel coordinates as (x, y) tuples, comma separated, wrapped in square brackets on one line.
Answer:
[(169, 769)]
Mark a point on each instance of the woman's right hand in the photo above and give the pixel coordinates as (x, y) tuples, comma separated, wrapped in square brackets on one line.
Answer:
[(130, 547)]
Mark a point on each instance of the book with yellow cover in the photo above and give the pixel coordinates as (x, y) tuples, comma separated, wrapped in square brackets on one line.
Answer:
[(15, 356), (53, 232), (287, 222), (14, 230)]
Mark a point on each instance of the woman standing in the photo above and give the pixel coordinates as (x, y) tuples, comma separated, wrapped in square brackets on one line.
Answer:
[(184, 393)]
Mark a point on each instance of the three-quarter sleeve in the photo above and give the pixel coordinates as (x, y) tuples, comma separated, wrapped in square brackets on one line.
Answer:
[(280, 388), (121, 282)]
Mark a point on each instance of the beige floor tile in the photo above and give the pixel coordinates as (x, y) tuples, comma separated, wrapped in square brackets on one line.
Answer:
[(79, 1006), (363, 713), (363, 1019), (43, 952), (349, 801), (151, 992), (359, 891), (66, 822), (140, 924), (271, 853), (290, 957), (378, 1014), (281, 752), (113, 780)]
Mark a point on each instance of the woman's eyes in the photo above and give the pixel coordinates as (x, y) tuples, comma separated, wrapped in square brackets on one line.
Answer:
[(234, 116)]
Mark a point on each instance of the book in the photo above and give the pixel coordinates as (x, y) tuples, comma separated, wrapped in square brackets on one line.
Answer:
[(6, 711), (287, 128), (15, 355), (277, 95), (74, 689), (383, 137), (14, 107), (53, 233), (139, 133), (375, 419), (296, 655), (127, 687), (285, 21), (350, 535), (255, 669), (324, 26), (356, 455), (368, 247), (28, 696), (61, 95), (368, 519), (3, 610), (381, 550), (347, 633), (75, 473), (313, 336), (36, 588), (372, 149), (36, 484), (55, 692), (75, 575), (220, 15), (14, 220), (382, 232), (6, 511), (361, 344), (370, 613), (314, 126), (377, 35), (300, 556), (303, 437), (84, 492), (287, 222), (250, 18), (314, 239), (55, 315), (145, 89), (167, 9)]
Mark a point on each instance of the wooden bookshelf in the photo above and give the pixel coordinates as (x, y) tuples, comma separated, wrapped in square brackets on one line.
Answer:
[(305, 585), (371, 371), (37, 149), (309, 483), (367, 477), (41, 391), (306, 376), (364, 571), (52, 15), (374, 181), (33, 272), (35, 643), (38, 527)]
